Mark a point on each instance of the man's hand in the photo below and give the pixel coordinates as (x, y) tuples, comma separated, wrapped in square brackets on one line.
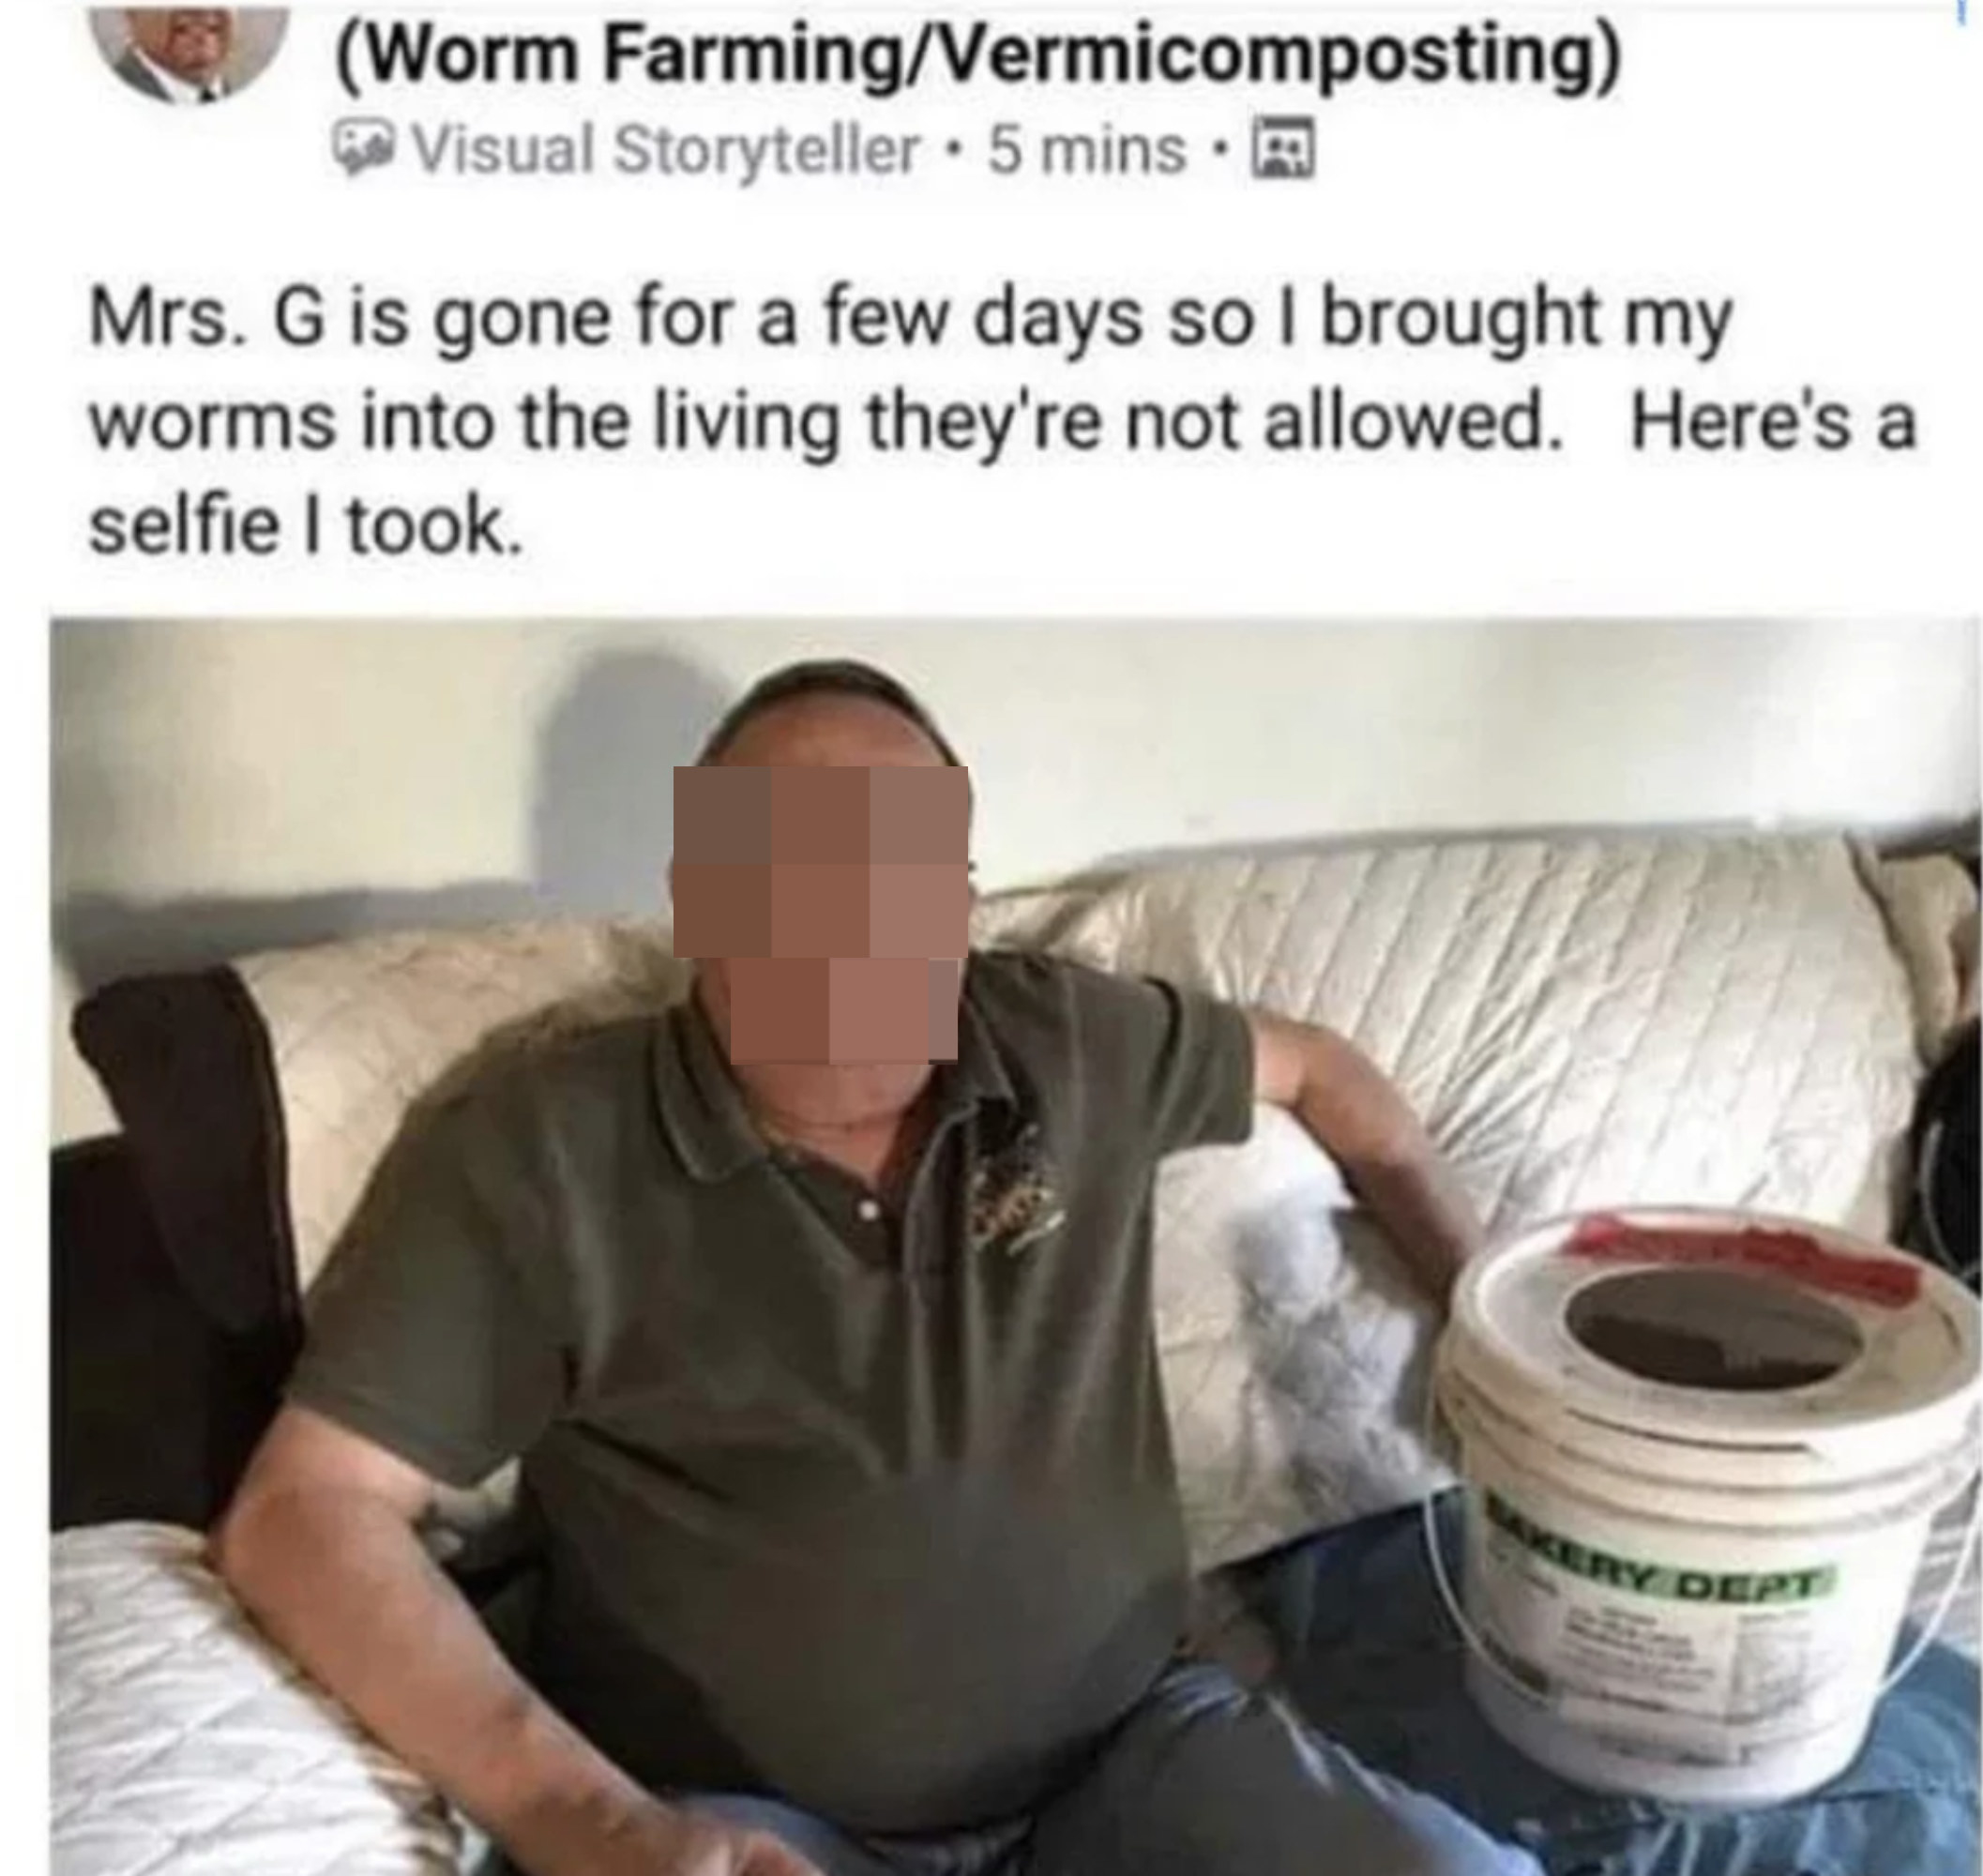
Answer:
[(1364, 1124), (650, 1837), (319, 1545), (709, 1848)]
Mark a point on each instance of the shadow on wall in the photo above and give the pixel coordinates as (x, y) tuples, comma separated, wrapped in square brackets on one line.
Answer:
[(602, 825), (603, 828)]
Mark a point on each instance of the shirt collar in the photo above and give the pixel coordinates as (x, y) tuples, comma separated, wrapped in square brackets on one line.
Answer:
[(703, 1110), (181, 91)]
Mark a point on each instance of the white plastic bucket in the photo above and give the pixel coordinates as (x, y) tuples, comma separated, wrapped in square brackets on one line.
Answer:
[(1699, 1468)]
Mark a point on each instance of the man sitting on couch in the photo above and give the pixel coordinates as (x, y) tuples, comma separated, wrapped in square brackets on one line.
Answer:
[(819, 1312)]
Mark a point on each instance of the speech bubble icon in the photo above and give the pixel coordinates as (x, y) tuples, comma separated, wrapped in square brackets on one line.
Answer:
[(361, 144)]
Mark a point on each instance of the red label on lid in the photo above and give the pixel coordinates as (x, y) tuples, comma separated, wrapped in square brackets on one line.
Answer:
[(1892, 1281)]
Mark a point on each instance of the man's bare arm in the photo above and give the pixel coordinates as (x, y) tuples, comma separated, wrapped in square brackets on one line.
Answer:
[(320, 1546), (1366, 1126)]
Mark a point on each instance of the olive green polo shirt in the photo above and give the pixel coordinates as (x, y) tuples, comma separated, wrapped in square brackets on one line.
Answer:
[(874, 1513)]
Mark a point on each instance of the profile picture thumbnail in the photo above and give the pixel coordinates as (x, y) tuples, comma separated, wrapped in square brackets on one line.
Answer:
[(189, 55)]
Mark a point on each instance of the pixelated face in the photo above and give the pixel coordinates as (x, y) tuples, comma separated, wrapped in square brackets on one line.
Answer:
[(829, 901), (191, 43)]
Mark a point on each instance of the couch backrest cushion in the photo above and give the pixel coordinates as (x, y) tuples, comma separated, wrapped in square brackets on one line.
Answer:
[(359, 1031), (1583, 1022)]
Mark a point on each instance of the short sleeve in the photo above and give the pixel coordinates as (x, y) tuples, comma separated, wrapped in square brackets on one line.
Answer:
[(435, 1329), (1175, 1062), (1201, 1054)]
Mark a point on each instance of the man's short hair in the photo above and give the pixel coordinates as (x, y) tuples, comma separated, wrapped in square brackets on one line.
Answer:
[(823, 677)]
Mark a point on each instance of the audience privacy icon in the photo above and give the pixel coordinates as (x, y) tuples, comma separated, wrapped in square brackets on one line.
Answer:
[(1283, 149), (361, 144)]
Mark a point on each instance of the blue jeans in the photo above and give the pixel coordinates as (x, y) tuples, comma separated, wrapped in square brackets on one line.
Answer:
[(1368, 1657), (1203, 1778)]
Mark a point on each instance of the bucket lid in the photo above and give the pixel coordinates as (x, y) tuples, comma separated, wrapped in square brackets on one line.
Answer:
[(1721, 1329)]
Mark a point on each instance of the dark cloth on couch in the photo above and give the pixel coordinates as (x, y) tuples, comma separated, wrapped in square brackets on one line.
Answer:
[(1369, 1658)]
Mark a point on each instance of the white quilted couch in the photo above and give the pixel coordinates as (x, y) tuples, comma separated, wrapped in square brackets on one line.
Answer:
[(1583, 1022)]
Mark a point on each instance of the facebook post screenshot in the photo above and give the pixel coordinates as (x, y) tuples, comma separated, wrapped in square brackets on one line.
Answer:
[(996, 940)]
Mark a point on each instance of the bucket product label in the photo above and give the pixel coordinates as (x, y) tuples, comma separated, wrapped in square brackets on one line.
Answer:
[(1712, 1653), (1644, 1578)]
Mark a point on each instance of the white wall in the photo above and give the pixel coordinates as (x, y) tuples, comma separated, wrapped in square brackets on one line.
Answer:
[(224, 786)]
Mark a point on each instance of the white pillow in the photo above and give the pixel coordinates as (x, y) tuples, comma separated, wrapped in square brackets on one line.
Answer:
[(1294, 1346), (184, 1745)]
